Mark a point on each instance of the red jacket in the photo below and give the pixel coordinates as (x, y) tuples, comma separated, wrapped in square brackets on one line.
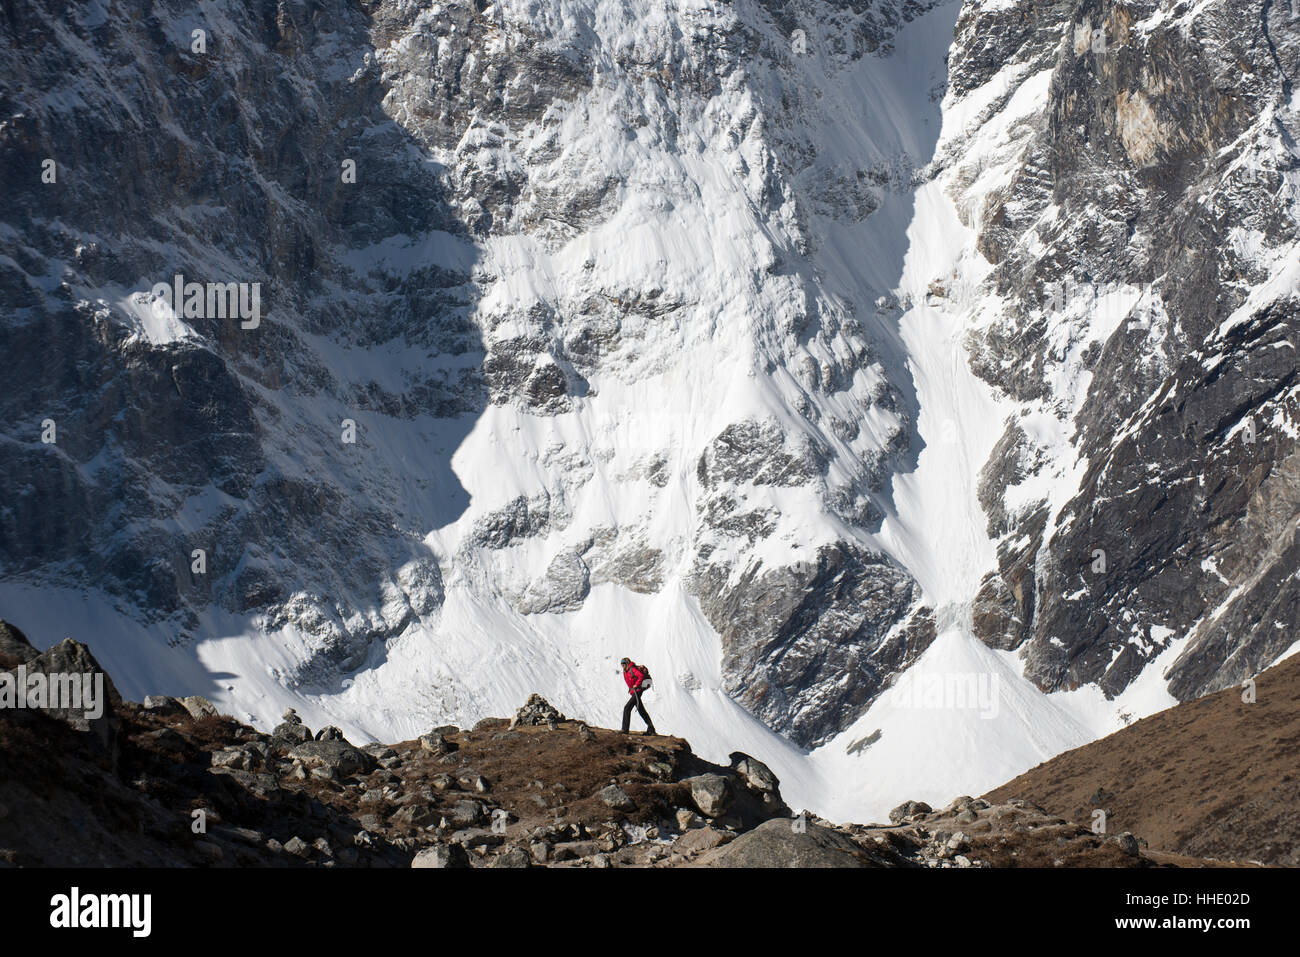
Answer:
[(633, 676)]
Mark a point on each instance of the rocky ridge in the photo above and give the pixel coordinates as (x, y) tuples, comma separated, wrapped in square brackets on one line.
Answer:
[(176, 783)]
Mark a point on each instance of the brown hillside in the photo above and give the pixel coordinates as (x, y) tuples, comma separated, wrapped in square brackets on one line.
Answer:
[(1212, 778)]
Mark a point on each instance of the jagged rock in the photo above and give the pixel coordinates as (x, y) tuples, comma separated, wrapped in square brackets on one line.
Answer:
[(908, 810), (329, 733), (436, 744), (199, 706), (297, 847), (290, 716), (291, 733), (491, 724), (339, 756), (712, 794), (442, 855), (537, 711), (754, 772), (70, 686), (564, 587)]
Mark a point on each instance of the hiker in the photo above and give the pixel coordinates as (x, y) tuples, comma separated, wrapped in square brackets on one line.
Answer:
[(638, 681)]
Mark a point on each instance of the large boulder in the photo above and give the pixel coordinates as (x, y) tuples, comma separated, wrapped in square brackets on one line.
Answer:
[(760, 780), (442, 855), (907, 811), (199, 706), (338, 756), (67, 683), (711, 793), (781, 843), (754, 772)]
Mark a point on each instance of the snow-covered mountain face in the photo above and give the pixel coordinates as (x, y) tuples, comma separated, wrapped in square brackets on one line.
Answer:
[(1142, 312), (783, 346)]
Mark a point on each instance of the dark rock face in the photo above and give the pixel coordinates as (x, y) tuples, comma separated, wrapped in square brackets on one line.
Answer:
[(831, 617), (187, 422), (1161, 143)]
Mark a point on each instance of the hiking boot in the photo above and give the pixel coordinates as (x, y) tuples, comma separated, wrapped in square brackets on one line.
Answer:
[(650, 730)]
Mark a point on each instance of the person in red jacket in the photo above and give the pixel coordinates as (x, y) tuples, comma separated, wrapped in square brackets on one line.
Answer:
[(638, 681)]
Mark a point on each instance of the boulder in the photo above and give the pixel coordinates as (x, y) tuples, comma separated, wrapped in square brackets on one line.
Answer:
[(291, 733), (615, 797), (436, 743), (777, 843), (415, 815), (472, 837), (512, 857), (907, 811), (67, 683), (711, 793), (329, 733), (341, 757), (199, 706), (754, 772), (162, 703), (442, 855), (702, 839), (468, 813)]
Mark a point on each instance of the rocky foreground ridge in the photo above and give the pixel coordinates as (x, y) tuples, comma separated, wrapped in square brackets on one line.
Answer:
[(172, 782)]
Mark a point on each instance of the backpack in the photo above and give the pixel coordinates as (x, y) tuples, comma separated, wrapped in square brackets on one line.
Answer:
[(645, 681)]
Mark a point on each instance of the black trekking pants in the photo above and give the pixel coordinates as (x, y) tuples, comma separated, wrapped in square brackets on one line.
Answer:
[(634, 700)]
